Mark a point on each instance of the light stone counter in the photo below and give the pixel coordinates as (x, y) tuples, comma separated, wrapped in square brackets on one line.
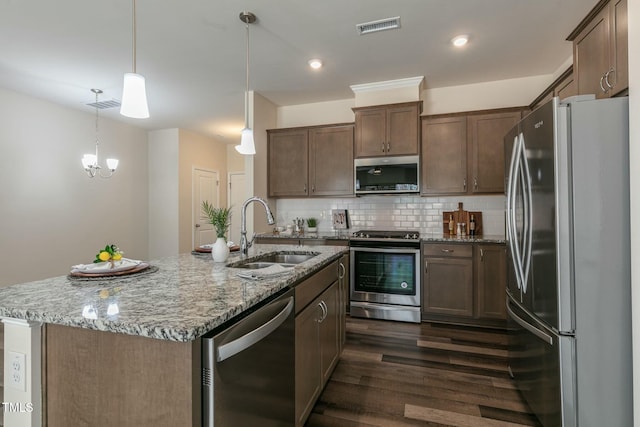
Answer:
[(188, 296), (445, 238)]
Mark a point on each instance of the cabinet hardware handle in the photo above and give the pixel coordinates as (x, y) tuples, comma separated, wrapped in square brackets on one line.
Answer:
[(606, 78), (447, 251), (464, 184), (383, 146), (481, 254), (313, 188), (426, 266), (321, 319), (325, 309), (343, 271), (305, 187), (475, 183), (388, 147), (197, 225), (601, 86)]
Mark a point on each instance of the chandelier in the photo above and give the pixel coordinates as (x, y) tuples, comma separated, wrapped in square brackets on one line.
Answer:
[(90, 161)]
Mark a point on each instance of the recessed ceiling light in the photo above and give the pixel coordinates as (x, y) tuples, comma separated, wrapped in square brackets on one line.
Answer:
[(461, 40), (315, 63)]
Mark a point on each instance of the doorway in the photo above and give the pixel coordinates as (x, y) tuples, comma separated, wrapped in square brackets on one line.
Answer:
[(206, 186)]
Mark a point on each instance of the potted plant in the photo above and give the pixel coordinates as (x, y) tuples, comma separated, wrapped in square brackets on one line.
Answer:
[(220, 219), (312, 225)]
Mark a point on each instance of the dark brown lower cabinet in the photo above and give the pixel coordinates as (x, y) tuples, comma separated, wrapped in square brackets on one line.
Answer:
[(317, 337), (491, 279), (464, 283)]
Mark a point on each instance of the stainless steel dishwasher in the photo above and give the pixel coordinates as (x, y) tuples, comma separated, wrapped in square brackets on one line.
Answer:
[(248, 369)]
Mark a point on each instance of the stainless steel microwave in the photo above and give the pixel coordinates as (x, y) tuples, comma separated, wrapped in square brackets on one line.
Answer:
[(387, 175)]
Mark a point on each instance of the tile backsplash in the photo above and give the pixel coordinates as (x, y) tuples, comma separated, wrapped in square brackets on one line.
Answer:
[(394, 212)]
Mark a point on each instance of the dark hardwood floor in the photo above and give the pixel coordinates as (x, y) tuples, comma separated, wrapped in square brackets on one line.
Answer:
[(402, 374)]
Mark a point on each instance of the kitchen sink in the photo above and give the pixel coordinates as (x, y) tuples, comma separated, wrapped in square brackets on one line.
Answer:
[(285, 259)]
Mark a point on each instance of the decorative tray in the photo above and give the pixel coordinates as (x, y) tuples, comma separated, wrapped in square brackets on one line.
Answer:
[(142, 268)]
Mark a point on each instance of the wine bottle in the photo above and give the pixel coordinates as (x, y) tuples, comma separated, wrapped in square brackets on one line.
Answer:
[(472, 226)]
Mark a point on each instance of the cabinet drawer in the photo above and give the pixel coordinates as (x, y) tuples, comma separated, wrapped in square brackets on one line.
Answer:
[(448, 250), (309, 289)]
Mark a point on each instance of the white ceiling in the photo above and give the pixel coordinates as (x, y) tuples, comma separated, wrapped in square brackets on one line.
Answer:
[(192, 52)]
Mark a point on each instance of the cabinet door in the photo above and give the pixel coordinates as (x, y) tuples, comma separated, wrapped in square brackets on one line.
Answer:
[(491, 281), (448, 286), (591, 56), (444, 155), (344, 298), (331, 161), (329, 331), (486, 141), (288, 163), (620, 48), (370, 132), (566, 88), (308, 374), (403, 130)]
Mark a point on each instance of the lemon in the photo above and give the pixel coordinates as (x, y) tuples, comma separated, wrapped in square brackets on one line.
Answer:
[(117, 257), (104, 256)]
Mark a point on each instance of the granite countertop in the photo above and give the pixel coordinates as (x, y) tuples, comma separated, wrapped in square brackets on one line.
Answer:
[(188, 296), (425, 237), (439, 237), (327, 235)]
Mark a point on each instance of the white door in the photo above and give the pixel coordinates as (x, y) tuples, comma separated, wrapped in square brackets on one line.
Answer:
[(205, 187), (237, 196)]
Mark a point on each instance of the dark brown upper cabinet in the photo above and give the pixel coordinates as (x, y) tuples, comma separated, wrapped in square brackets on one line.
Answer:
[(388, 130)]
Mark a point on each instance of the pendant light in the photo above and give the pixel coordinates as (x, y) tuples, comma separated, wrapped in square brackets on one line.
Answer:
[(247, 146), (134, 93), (90, 161)]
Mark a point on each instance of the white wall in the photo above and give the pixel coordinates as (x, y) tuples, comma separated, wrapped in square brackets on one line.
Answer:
[(52, 215), (483, 96), (319, 113), (634, 158), (163, 218)]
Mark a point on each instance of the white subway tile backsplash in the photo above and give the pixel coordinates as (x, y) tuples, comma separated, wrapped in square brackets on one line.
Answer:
[(385, 212)]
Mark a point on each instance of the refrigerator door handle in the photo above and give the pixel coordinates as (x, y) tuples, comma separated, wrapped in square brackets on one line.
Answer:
[(514, 243), (528, 217), (535, 331)]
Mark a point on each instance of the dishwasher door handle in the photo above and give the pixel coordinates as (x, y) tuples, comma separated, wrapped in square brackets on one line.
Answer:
[(247, 340)]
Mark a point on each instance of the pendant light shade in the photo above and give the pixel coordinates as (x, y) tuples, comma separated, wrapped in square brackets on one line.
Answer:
[(134, 97), (134, 92), (247, 145)]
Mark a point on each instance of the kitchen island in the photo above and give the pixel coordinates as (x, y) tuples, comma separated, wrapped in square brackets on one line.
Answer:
[(127, 351)]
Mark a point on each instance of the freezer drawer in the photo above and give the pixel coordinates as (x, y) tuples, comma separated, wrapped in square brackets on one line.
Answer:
[(534, 362)]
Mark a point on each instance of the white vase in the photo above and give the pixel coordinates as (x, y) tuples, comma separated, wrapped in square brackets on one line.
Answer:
[(220, 250)]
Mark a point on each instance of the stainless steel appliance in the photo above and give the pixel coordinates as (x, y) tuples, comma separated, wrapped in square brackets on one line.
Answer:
[(383, 175), (249, 369), (385, 275), (569, 287)]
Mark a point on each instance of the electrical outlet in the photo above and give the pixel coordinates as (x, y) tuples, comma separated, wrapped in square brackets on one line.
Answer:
[(17, 370)]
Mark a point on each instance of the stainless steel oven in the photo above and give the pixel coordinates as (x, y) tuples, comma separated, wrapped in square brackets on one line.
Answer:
[(385, 275)]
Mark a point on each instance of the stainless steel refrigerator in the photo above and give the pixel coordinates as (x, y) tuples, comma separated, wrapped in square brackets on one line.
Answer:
[(569, 279)]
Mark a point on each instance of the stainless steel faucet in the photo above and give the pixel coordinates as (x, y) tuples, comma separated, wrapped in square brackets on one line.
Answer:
[(244, 244)]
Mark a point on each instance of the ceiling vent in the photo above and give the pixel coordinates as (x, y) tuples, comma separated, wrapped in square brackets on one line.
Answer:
[(379, 25), (104, 104)]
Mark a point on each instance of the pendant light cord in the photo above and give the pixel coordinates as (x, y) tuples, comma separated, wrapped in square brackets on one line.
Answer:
[(134, 36), (246, 93)]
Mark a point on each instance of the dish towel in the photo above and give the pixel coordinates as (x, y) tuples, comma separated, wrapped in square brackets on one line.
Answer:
[(267, 272)]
